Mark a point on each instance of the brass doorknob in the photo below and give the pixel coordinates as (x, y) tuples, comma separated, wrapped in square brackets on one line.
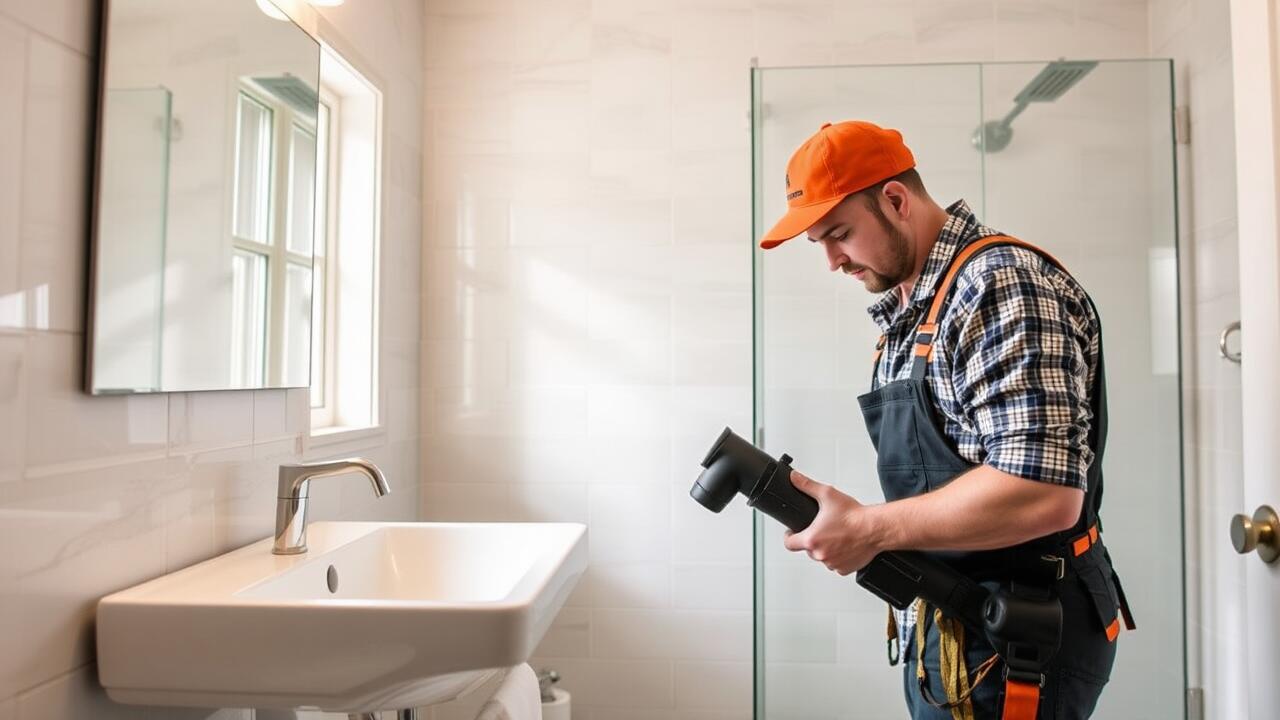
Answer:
[(1261, 533)]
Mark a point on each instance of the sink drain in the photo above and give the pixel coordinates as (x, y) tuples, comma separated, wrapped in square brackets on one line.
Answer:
[(332, 578)]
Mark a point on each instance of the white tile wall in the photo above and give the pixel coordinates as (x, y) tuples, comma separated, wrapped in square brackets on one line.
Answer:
[(97, 494), (587, 293)]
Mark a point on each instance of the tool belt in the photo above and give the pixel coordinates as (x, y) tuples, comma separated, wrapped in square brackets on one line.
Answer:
[(1022, 620)]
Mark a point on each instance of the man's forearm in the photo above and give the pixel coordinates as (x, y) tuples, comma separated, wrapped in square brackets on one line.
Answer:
[(982, 509)]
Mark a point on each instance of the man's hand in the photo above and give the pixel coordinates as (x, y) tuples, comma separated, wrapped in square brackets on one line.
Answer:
[(841, 536)]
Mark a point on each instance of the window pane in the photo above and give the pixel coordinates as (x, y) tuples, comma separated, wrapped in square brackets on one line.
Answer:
[(251, 215), (302, 191), (248, 317), (324, 130), (297, 324), (318, 343)]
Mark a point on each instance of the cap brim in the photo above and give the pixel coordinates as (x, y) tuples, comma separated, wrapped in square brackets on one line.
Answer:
[(796, 221)]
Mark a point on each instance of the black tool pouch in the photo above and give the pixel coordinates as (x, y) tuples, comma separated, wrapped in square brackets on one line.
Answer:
[(1024, 626)]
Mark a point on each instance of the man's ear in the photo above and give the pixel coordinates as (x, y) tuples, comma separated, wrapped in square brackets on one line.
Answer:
[(899, 199)]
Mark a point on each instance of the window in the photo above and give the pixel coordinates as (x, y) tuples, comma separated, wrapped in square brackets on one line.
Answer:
[(344, 313), (271, 237)]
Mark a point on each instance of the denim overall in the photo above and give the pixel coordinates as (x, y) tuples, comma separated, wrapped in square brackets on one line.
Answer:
[(914, 457)]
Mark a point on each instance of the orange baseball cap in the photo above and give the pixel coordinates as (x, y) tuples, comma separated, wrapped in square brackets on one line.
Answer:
[(836, 162)]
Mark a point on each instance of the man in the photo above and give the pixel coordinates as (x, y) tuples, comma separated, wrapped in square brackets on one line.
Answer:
[(988, 414)]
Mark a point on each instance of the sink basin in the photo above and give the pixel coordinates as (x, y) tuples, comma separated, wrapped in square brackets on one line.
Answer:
[(376, 616)]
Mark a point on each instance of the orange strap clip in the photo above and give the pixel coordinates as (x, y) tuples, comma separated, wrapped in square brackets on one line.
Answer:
[(1081, 545)]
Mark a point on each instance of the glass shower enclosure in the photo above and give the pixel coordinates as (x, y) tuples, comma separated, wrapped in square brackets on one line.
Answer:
[(1086, 173)]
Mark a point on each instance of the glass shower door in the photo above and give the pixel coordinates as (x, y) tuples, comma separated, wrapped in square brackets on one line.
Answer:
[(1089, 177)]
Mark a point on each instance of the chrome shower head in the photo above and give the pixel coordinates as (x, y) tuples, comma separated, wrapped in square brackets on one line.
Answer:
[(1048, 85), (1055, 79)]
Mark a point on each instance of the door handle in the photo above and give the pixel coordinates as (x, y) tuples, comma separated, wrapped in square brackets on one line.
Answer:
[(1261, 533)]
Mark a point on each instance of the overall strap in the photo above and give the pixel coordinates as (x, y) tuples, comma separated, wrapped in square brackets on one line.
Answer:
[(926, 332)]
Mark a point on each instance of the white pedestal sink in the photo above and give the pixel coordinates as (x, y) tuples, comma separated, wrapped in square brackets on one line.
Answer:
[(376, 616)]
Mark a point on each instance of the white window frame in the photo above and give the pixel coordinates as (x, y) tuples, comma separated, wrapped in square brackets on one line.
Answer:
[(323, 415), (351, 409)]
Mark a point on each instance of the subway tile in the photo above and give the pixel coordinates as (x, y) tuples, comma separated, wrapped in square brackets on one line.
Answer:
[(701, 536), (548, 502), (675, 634), (706, 586), (458, 502), (57, 133), (725, 687), (630, 410), (629, 523), (629, 684), (641, 584), (568, 636), (808, 637)]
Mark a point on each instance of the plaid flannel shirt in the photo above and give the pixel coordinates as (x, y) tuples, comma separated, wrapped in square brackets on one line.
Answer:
[(1014, 358)]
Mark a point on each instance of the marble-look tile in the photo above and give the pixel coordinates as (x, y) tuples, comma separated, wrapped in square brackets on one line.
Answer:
[(13, 63), (634, 114), (180, 713), (793, 32), (13, 405), (874, 31), (210, 420), (713, 29), (72, 538), (1036, 29), (956, 30), (56, 162), (1117, 28), (73, 23), (66, 428), (76, 694)]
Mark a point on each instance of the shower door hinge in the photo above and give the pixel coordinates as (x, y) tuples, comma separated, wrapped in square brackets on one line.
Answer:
[(1195, 703), (1182, 125)]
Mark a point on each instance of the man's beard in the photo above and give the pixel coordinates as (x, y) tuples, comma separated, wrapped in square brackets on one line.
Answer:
[(899, 256)]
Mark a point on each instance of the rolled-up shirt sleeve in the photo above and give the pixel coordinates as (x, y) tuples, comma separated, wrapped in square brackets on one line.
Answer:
[(1021, 374)]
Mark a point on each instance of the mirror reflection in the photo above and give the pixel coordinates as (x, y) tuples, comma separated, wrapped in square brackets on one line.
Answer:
[(206, 198)]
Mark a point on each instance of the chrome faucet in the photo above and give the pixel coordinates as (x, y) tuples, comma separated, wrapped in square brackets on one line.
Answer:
[(291, 498)]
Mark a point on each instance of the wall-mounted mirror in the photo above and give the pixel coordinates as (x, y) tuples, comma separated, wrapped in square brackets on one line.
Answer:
[(205, 198)]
